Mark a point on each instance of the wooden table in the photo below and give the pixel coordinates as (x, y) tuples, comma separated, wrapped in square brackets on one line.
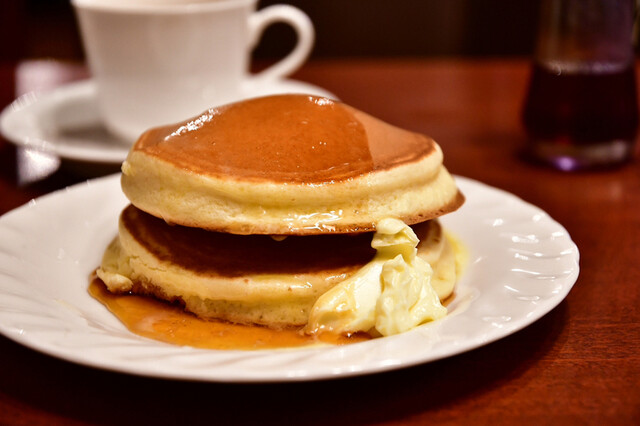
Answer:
[(580, 364)]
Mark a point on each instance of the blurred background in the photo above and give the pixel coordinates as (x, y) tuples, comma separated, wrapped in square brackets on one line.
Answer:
[(344, 28)]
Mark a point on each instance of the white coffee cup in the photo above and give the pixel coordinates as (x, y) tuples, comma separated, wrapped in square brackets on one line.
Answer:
[(159, 62)]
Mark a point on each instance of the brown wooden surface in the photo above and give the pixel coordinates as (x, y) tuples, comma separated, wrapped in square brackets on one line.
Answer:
[(580, 364)]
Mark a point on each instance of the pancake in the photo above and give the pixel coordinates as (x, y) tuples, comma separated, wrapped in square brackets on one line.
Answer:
[(248, 279), (287, 165)]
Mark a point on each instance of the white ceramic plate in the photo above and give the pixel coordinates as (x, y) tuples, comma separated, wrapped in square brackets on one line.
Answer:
[(522, 264), (66, 121)]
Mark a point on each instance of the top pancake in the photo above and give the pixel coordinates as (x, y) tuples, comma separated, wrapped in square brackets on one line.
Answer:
[(287, 164)]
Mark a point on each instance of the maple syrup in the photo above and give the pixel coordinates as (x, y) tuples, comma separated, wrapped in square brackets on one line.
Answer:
[(158, 320)]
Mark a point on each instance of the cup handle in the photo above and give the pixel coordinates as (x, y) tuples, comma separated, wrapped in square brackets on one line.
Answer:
[(300, 22)]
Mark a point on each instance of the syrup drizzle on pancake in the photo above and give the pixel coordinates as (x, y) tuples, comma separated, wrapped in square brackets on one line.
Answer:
[(286, 138)]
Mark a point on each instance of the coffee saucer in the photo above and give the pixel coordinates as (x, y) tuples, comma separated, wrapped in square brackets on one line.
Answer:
[(66, 122)]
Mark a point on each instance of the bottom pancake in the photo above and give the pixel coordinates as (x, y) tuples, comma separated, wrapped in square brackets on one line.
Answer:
[(248, 279)]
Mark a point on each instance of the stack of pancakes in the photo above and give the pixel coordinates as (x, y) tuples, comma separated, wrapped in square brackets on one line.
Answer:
[(251, 211)]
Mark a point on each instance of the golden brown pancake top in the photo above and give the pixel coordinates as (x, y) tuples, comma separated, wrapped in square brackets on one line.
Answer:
[(285, 138), (231, 255)]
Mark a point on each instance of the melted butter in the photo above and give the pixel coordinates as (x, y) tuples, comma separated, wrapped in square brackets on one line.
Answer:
[(391, 294), (158, 320), (285, 138)]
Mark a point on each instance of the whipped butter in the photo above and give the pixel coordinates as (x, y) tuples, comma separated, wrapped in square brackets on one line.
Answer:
[(389, 295)]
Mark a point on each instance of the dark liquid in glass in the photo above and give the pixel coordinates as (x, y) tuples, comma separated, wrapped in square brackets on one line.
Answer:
[(576, 108)]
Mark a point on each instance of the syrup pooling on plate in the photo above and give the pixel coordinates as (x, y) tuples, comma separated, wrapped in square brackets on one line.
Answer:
[(149, 317), (292, 138)]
